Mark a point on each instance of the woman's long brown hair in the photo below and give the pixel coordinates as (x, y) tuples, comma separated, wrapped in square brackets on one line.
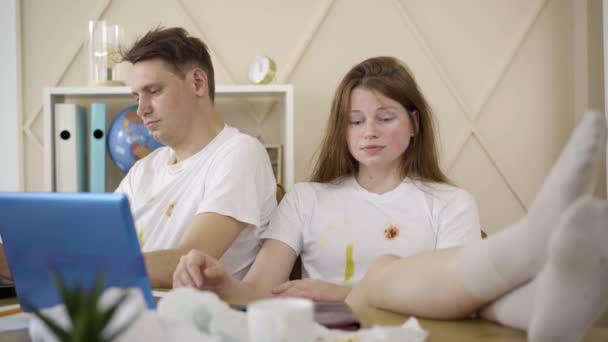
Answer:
[(391, 78)]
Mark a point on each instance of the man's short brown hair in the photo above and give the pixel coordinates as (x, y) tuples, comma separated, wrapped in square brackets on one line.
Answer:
[(176, 48)]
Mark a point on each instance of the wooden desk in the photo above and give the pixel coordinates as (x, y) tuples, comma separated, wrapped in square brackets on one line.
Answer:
[(453, 331), (463, 330)]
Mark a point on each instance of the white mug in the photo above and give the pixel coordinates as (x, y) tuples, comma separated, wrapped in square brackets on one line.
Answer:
[(281, 320)]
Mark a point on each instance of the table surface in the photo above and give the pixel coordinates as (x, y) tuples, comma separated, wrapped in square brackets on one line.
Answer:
[(454, 330)]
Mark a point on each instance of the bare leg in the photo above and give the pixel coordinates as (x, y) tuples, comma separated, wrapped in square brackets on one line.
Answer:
[(425, 285)]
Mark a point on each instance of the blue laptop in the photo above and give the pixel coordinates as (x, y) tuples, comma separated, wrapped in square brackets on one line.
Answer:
[(77, 234)]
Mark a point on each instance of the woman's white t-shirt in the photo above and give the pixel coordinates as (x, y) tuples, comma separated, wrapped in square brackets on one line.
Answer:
[(339, 229)]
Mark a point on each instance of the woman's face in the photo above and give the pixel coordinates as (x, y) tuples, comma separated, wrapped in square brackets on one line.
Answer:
[(379, 130)]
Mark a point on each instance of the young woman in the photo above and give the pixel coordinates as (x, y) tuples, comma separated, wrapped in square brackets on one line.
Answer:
[(377, 189)]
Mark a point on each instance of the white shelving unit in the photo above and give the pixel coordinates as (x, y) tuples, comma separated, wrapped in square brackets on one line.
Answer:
[(283, 92)]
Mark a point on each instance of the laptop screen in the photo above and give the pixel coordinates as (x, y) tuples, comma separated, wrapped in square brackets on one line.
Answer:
[(79, 235)]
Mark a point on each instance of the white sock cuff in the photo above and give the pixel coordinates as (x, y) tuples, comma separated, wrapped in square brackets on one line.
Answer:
[(479, 273)]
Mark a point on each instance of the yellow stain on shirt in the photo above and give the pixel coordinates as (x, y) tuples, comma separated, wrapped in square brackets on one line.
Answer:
[(349, 271), (140, 236)]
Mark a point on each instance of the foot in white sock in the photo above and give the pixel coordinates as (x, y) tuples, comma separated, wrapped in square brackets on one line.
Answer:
[(573, 175), (491, 268), (572, 288)]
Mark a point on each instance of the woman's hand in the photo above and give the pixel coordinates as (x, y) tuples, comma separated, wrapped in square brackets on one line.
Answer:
[(312, 289), (200, 271)]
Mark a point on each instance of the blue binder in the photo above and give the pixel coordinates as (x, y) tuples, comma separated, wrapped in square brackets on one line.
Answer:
[(77, 234), (97, 148)]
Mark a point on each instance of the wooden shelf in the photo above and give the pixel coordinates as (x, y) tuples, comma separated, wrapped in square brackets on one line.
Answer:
[(283, 92)]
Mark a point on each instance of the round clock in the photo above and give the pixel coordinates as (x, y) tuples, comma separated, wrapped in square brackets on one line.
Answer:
[(262, 70)]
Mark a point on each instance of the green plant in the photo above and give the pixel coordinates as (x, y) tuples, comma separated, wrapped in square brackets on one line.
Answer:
[(88, 320)]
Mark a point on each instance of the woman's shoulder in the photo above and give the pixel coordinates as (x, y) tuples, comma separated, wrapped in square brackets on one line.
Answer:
[(445, 198), (443, 192)]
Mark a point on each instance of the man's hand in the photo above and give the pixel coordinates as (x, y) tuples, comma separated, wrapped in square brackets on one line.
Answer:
[(200, 271), (312, 289)]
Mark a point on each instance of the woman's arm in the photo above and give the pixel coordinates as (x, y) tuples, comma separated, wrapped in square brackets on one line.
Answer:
[(271, 267), (312, 289)]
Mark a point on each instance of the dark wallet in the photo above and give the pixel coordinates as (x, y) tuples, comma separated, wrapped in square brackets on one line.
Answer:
[(336, 315), (332, 315)]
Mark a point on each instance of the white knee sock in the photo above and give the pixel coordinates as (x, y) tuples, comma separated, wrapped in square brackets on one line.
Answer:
[(513, 309), (516, 254), (572, 288)]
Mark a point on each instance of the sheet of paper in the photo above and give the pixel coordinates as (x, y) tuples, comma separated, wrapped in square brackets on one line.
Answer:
[(13, 321), (159, 294)]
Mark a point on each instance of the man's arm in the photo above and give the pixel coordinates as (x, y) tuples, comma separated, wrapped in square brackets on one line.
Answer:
[(209, 233)]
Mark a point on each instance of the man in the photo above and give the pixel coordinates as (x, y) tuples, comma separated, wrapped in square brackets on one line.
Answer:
[(211, 187)]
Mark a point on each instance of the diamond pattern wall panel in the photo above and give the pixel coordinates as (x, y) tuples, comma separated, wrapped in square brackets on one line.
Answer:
[(235, 27), (482, 34), (528, 119), (498, 205)]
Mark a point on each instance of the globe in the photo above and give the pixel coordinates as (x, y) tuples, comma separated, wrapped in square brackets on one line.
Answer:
[(129, 140)]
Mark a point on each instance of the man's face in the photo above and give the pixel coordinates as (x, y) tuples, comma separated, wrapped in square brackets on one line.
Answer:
[(166, 102)]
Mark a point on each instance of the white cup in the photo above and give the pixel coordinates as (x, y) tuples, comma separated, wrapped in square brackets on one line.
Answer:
[(281, 320)]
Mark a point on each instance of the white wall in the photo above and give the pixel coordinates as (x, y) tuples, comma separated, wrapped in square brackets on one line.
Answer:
[(10, 123), (605, 24), (588, 66)]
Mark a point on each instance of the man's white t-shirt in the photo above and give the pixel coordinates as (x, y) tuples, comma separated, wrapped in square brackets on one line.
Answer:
[(231, 176), (339, 229)]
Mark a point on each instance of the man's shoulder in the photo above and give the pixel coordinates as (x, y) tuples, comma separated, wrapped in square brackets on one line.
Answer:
[(235, 136), (241, 144)]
